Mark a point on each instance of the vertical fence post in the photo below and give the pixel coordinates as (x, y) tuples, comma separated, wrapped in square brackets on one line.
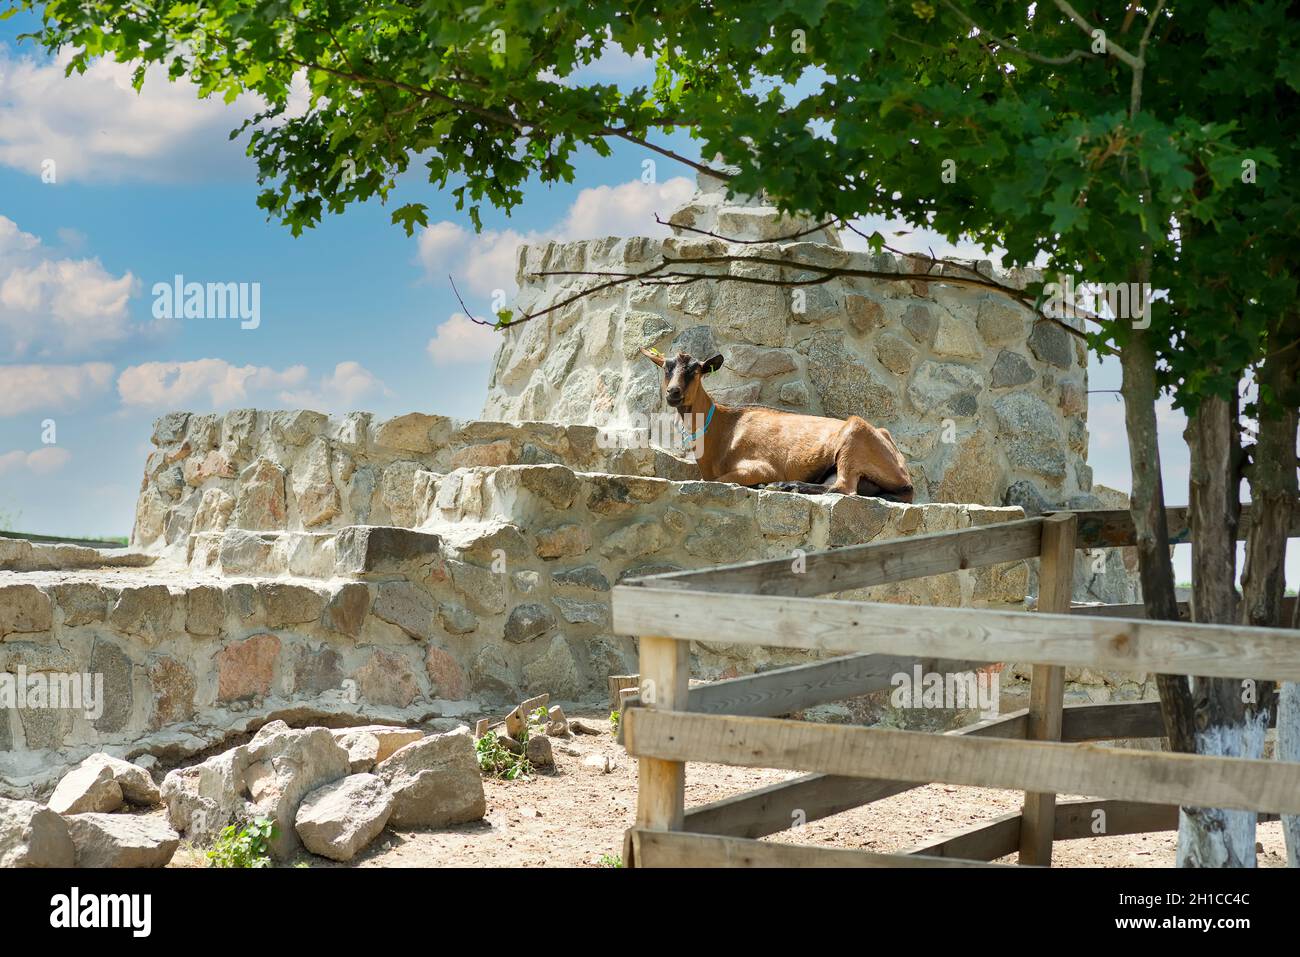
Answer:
[(1047, 682), (661, 785)]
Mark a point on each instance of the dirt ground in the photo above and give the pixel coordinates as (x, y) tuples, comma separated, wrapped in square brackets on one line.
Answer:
[(575, 816)]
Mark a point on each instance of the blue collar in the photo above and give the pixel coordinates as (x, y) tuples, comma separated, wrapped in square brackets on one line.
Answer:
[(696, 436)]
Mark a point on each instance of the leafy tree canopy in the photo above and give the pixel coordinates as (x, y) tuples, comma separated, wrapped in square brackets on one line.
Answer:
[(1134, 144)]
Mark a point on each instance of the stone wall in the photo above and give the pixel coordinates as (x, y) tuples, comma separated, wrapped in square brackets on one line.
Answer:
[(305, 471), (978, 393), (503, 591)]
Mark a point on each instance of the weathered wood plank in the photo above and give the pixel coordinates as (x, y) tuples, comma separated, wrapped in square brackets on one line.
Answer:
[(1115, 644), (1078, 819), (1047, 683), (1149, 776), (1140, 611), (783, 690), (986, 841), (1113, 527), (861, 566), (665, 849), (1074, 819), (1111, 720), (661, 784), (814, 796)]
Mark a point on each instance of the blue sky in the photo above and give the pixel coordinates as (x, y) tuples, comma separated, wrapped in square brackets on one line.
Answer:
[(354, 315)]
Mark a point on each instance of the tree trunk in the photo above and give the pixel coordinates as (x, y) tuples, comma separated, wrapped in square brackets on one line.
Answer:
[(1273, 492), (1215, 837), (1147, 506)]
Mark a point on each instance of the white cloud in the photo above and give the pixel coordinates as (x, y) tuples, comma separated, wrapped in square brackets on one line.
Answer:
[(51, 387), (44, 461), (94, 126), (486, 261), (458, 341), (211, 382), (340, 390), (57, 306)]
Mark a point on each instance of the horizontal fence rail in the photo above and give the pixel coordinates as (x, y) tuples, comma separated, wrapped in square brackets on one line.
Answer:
[(1045, 766), (1116, 644), (1113, 528), (862, 566)]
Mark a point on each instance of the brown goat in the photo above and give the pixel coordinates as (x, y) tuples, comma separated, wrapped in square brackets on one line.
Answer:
[(751, 445)]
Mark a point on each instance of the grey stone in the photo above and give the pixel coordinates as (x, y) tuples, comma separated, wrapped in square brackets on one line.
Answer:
[(206, 610), (316, 670), (91, 786), (170, 428), (527, 622), (24, 608), (118, 695), (698, 342), (1000, 320), (582, 612), (555, 672), (365, 549), (1026, 495), (346, 610), (339, 819), (285, 765), (261, 501), (1031, 435), (33, 836), (783, 513), (1010, 369), (297, 426), (435, 782), (845, 385), (244, 552), (286, 604), (122, 840), (922, 321), (406, 605), (144, 611), (203, 798), (1051, 343), (456, 619), (370, 744), (944, 387), (752, 361), (584, 576), (80, 602), (794, 394)]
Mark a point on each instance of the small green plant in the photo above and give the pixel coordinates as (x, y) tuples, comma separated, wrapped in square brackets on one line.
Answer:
[(610, 860), (244, 846), (495, 759), (614, 718)]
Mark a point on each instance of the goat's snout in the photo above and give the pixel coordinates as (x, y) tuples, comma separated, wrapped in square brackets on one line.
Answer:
[(673, 395)]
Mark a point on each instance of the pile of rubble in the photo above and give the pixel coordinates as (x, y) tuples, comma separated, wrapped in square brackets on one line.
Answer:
[(332, 791)]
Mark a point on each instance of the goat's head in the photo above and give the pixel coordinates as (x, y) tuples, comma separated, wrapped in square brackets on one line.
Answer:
[(683, 376), (886, 466)]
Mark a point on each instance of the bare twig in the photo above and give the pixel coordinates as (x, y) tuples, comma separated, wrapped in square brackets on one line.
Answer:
[(1111, 46), (1007, 44)]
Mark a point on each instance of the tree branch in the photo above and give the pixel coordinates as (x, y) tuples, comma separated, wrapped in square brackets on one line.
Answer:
[(1111, 46), (1000, 41)]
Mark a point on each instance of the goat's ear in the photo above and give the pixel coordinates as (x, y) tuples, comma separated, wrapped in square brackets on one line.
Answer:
[(654, 357), (714, 364)]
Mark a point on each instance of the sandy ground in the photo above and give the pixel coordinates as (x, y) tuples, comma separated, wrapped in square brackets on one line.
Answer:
[(575, 816)]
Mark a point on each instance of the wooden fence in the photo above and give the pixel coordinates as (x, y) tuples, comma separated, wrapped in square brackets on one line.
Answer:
[(1043, 749)]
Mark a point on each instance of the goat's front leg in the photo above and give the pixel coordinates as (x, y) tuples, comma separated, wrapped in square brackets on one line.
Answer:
[(749, 473)]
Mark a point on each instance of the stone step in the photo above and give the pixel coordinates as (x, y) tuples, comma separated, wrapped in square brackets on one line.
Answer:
[(21, 555)]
